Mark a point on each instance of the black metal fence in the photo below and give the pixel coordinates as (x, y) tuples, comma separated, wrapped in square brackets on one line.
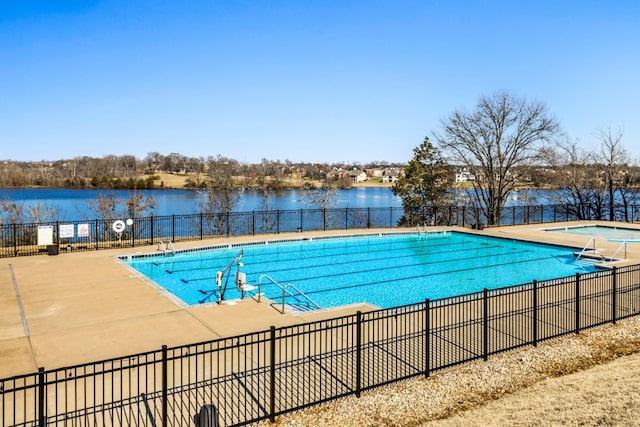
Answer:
[(261, 375), (83, 235)]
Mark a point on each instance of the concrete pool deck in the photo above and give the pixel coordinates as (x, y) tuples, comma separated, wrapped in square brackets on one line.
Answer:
[(87, 306)]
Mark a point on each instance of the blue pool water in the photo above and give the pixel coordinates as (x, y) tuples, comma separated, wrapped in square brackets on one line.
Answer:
[(604, 232), (384, 270)]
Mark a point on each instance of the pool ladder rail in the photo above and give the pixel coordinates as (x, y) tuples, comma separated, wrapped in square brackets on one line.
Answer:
[(167, 248), (240, 279), (302, 302), (591, 251), (422, 229)]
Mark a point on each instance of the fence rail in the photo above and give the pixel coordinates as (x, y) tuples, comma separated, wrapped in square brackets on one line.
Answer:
[(261, 375), (87, 235)]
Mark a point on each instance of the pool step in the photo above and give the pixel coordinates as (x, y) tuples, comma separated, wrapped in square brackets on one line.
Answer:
[(589, 259), (300, 307)]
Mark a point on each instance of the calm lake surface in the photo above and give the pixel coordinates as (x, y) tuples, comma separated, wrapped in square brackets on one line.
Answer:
[(74, 204)]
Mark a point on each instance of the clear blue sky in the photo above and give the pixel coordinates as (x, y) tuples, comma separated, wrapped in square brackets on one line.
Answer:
[(323, 81)]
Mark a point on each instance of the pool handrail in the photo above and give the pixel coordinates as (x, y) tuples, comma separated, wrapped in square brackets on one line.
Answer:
[(171, 250), (586, 248), (220, 274), (285, 292), (623, 244)]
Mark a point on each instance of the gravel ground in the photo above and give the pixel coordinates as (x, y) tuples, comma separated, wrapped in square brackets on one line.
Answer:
[(585, 379)]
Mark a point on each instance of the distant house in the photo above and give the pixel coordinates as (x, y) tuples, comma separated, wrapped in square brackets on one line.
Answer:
[(358, 176), (390, 175), (375, 173), (463, 175)]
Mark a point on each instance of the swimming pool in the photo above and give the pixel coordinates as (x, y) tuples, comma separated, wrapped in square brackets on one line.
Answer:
[(602, 231), (384, 270)]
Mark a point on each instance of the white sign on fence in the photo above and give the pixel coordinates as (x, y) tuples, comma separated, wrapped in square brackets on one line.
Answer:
[(45, 235), (83, 230), (66, 231)]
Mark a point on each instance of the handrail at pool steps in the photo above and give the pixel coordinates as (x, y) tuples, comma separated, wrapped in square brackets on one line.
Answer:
[(305, 304), (623, 244), (170, 250), (220, 275), (587, 248)]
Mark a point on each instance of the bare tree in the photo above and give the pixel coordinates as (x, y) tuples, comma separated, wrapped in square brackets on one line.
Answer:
[(610, 159), (220, 193), (106, 206), (322, 198), (12, 212), (580, 188), (596, 183), (267, 187), (139, 205), (503, 132), (110, 207)]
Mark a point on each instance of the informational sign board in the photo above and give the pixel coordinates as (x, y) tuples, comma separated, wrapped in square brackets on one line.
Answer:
[(66, 231), (45, 235), (83, 230)]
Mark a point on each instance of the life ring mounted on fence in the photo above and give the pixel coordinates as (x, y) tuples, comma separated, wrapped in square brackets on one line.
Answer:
[(118, 226)]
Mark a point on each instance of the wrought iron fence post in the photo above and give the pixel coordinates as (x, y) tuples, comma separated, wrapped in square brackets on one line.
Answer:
[(133, 235), (42, 421), (152, 233), (301, 228), (485, 326), (577, 303), (164, 385), (427, 338), (15, 240), (324, 219), (278, 220), (253, 223), (346, 218), (358, 353), (173, 228), (368, 217), (272, 371), (614, 296), (535, 313), (541, 213)]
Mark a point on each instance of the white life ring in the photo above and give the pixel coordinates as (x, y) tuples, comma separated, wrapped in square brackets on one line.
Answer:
[(118, 226)]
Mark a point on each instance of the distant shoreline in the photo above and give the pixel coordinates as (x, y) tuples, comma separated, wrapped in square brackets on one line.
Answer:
[(171, 187)]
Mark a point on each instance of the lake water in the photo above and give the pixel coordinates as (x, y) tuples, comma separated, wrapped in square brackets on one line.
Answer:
[(74, 204)]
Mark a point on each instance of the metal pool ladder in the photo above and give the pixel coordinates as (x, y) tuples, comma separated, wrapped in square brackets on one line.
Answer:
[(302, 301), (171, 250), (586, 248)]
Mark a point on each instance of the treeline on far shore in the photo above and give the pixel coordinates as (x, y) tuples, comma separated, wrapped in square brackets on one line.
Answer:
[(178, 171), (157, 171)]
